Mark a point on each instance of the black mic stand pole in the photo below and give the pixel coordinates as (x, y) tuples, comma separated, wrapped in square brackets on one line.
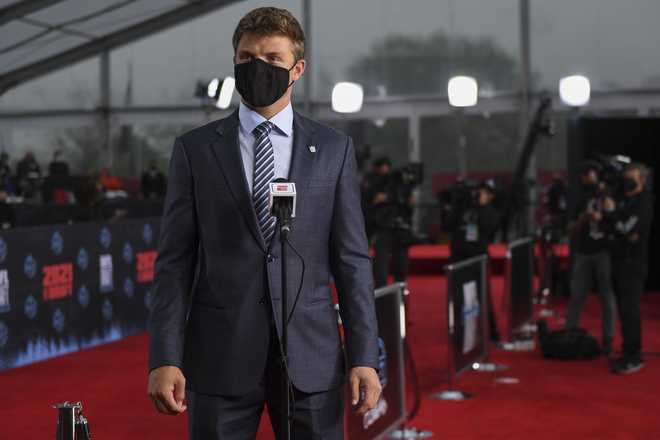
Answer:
[(283, 214)]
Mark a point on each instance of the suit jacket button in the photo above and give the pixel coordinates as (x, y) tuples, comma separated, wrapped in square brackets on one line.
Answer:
[(270, 258)]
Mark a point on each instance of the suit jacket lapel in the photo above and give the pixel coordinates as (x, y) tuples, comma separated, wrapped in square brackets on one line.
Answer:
[(228, 155), (302, 160)]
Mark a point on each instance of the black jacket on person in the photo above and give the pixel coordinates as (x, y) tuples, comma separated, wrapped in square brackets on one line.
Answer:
[(153, 184), (589, 236), (28, 168), (472, 230), (632, 227), (58, 168)]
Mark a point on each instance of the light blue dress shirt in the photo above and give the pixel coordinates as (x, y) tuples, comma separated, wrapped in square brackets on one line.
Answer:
[(281, 136)]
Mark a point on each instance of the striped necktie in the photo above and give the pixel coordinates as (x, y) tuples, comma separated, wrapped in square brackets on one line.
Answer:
[(264, 173)]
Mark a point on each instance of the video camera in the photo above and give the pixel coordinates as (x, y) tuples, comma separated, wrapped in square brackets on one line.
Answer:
[(399, 185), (403, 181), (610, 172), (463, 195)]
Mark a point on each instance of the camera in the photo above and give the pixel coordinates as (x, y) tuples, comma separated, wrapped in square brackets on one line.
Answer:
[(398, 185)]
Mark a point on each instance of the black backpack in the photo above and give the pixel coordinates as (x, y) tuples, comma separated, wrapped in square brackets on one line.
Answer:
[(567, 344)]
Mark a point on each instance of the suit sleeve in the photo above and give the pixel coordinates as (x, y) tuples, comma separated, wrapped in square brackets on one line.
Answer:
[(175, 265), (351, 267)]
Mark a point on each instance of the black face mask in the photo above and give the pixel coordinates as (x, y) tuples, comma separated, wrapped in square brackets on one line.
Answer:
[(261, 84), (629, 184)]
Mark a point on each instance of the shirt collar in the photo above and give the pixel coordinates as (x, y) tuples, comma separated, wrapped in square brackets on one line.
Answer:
[(250, 119)]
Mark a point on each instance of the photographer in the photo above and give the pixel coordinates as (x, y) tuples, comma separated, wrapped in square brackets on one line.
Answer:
[(388, 202), (633, 216), (472, 221), (591, 259)]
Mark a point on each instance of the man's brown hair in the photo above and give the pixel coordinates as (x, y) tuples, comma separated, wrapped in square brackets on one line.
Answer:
[(272, 21)]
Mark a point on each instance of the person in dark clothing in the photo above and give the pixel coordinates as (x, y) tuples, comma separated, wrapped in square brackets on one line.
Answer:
[(88, 201), (633, 219), (591, 258), (472, 227), (6, 182), (389, 216), (58, 167), (558, 203), (28, 175), (153, 182)]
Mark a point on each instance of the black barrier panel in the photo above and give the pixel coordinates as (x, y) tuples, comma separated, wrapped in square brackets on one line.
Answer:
[(520, 283), (390, 411), (467, 313), (73, 286)]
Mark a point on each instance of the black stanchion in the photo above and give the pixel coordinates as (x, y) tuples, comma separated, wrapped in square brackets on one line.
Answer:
[(405, 431), (520, 295), (390, 411), (71, 423), (467, 321)]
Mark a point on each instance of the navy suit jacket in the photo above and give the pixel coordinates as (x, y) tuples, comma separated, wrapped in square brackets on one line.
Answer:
[(213, 269)]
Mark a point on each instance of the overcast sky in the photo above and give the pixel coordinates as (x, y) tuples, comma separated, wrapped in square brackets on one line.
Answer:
[(614, 42)]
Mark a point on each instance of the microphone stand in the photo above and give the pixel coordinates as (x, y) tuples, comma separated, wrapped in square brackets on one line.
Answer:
[(283, 214)]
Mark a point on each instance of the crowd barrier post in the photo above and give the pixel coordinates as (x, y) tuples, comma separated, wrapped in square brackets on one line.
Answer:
[(405, 431), (390, 411), (519, 286), (467, 321)]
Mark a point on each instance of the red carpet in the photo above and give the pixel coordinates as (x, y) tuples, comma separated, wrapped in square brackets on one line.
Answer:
[(554, 400)]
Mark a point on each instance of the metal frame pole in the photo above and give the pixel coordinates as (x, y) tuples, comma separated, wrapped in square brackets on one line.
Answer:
[(525, 91), (309, 56), (104, 109)]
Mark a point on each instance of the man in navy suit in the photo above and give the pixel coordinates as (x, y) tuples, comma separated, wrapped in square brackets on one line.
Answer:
[(216, 316)]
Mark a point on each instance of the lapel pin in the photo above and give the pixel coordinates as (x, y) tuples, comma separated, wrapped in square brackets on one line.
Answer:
[(312, 149)]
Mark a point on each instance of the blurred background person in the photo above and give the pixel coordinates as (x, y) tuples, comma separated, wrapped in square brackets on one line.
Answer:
[(388, 209), (472, 220), (633, 216), (557, 203), (153, 182), (590, 253), (57, 166), (6, 181), (28, 176)]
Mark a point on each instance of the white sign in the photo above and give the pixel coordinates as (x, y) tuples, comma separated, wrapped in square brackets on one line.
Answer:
[(105, 273), (470, 316), (4, 291)]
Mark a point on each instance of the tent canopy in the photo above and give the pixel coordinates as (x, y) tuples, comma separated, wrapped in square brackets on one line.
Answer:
[(40, 36)]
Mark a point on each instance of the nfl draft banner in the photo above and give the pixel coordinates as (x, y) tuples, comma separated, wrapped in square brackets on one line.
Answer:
[(67, 287)]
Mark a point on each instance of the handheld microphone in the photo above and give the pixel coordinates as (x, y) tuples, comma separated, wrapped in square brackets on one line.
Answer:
[(282, 202)]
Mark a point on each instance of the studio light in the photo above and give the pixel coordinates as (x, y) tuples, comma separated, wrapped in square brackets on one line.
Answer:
[(212, 88), (575, 90), (226, 92), (347, 97), (463, 91)]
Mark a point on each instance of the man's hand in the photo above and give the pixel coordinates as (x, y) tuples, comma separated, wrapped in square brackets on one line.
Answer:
[(167, 389), (364, 380)]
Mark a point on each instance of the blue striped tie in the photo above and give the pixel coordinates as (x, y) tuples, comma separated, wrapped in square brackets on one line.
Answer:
[(264, 173)]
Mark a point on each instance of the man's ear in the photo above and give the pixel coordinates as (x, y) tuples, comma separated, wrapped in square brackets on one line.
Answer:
[(298, 70)]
